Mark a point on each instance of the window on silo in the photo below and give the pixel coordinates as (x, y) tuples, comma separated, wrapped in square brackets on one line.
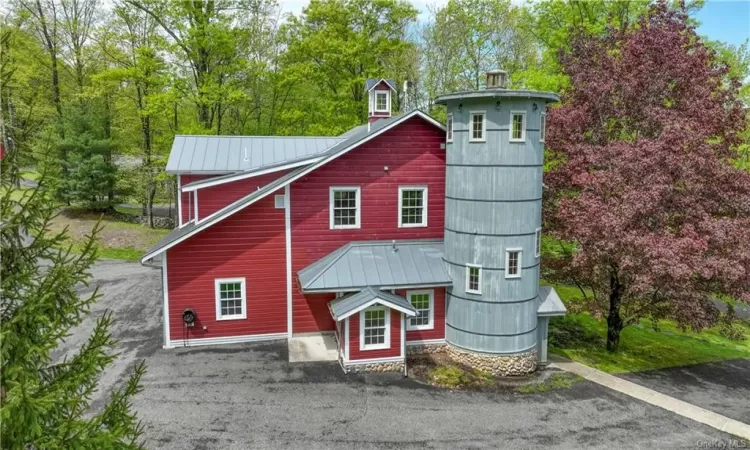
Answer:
[(538, 242), (543, 128), (478, 126), (513, 263), (473, 279), (449, 129), (517, 126)]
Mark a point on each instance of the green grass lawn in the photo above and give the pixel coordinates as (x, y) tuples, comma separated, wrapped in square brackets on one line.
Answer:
[(582, 338)]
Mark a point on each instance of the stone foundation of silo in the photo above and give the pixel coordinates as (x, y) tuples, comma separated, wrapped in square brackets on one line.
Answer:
[(498, 365)]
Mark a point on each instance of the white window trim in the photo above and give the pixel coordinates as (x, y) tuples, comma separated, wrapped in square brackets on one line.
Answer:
[(543, 127), (387, 101), (431, 324), (358, 213), (471, 126), (479, 281), (523, 126), (387, 343), (217, 293), (449, 128), (538, 242), (507, 262), (401, 190)]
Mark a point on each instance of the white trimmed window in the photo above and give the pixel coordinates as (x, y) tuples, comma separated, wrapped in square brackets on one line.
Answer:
[(449, 128), (345, 207), (423, 302), (478, 126), (513, 263), (538, 242), (412, 206), (231, 299), (543, 127), (374, 328), (382, 103), (473, 279), (517, 126)]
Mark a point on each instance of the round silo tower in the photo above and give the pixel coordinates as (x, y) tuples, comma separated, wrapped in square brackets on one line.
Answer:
[(493, 216)]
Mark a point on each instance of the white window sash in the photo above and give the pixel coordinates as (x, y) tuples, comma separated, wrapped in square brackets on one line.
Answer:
[(468, 279), (387, 339), (513, 114), (217, 286), (431, 304), (387, 101), (401, 190), (507, 262), (472, 114), (358, 210)]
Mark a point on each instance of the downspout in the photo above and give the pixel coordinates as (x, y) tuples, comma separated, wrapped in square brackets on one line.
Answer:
[(403, 342)]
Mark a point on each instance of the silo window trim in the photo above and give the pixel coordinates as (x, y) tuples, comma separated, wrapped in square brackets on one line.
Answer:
[(473, 279), (412, 206), (345, 207), (375, 328), (538, 242), (477, 126), (423, 302), (518, 126), (543, 127), (513, 263), (449, 128)]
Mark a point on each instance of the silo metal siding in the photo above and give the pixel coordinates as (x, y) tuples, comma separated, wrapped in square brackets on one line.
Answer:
[(493, 203)]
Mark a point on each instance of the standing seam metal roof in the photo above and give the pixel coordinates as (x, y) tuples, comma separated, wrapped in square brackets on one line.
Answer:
[(550, 304), (347, 305), (219, 154), (377, 263)]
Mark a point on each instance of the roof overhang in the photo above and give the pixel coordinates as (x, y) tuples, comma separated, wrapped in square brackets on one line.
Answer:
[(390, 83), (232, 177), (348, 305), (551, 305), (497, 93)]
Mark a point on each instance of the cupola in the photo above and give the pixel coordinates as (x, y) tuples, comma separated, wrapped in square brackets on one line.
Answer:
[(379, 92)]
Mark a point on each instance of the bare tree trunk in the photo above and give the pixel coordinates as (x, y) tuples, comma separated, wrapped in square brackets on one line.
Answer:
[(615, 323)]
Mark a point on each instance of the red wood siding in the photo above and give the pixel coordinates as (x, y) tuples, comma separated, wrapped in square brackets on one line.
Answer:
[(438, 332), (413, 155), (212, 199), (382, 86), (188, 208), (248, 244), (393, 352)]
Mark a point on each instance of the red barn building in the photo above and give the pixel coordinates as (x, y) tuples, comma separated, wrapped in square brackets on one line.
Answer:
[(281, 237)]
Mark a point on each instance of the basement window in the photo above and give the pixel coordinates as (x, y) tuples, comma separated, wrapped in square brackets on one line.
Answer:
[(473, 279), (478, 126), (412, 206), (513, 263), (518, 126), (345, 207), (231, 299), (422, 301), (449, 128), (374, 328)]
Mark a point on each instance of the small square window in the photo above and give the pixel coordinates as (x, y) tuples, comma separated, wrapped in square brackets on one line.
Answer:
[(344, 207), (543, 127), (449, 129), (517, 126), (473, 279), (538, 242), (412, 210), (478, 126), (231, 301), (278, 201), (513, 263), (381, 101)]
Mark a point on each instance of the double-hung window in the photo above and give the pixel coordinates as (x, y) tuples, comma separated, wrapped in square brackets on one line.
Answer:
[(473, 279), (374, 328), (423, 302), (449, 128), (231, 299), (538, 242), (517, 126), (543, 127), (412, 206), (477, 126), (381, 102), (513, 263), (345, 206)]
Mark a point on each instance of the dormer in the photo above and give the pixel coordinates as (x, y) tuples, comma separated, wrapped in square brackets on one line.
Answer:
[(379, 92)]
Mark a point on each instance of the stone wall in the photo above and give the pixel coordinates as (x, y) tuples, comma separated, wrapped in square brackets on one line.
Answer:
[(426, 349), (375, 367), (502, 365)]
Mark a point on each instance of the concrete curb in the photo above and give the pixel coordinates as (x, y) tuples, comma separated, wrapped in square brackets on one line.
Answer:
[(652, 397)]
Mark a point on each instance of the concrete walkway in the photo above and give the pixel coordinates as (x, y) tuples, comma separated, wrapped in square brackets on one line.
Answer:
[(647, 395), (313, 348)]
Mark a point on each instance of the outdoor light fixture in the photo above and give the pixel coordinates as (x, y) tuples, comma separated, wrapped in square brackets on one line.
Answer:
[(497, 105), (460, 107), (535, 107)]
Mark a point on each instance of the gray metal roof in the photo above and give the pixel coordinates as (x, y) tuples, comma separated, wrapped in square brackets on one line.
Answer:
[(372, 82), (377, 263), (343, 307), (220, 154), (551, 305), (497, 93)]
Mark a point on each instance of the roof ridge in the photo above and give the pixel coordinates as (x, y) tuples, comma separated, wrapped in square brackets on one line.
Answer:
[(256, 136)]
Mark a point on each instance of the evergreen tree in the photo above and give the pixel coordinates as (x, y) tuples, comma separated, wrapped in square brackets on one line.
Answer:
[(46, 403)]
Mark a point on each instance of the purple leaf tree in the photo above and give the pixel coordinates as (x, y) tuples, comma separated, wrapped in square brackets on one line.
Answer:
[(642, 180)]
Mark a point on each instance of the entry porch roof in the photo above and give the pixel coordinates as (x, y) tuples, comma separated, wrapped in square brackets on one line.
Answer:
[(350, 304)]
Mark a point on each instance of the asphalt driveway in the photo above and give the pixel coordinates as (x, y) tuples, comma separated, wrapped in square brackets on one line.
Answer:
[(249, 396), (722, 387)]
